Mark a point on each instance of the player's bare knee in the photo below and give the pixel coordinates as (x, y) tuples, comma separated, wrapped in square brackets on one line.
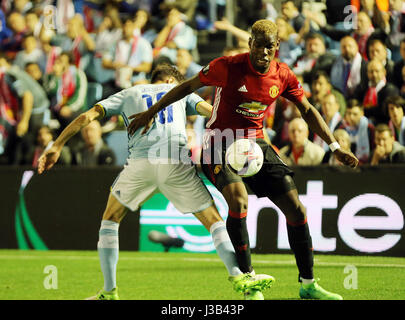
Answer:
[(297, 215), (238, 204)]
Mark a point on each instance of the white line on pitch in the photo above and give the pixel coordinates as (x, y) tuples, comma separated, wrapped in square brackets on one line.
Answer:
[(268, 262)]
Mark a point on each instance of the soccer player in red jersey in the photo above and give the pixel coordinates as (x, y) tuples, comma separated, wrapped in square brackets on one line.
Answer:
[(246, 85)]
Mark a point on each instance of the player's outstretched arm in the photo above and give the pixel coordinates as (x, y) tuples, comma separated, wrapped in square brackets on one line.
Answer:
[(319, 126), (50, 156), (143, 119)]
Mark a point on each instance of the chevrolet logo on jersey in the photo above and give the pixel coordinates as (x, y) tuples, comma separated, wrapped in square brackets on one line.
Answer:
[(253, 106)]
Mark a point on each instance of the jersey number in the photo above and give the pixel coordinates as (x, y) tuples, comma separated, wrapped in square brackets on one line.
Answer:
[(161, 114)]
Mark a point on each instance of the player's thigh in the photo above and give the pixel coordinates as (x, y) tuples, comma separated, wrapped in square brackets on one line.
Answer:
[(114, 211), (229, 184), (290, 204), (136, 183), (181, 184)]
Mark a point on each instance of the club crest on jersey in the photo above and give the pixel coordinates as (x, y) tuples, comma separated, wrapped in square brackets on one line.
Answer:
[(217, 169), (274, 91)]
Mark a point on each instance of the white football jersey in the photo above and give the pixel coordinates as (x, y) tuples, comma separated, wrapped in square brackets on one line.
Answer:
[(167, 138)]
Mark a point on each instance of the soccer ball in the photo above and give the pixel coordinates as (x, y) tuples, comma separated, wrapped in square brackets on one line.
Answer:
[(245, 157)]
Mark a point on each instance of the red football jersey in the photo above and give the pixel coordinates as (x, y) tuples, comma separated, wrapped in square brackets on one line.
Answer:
[(243, 94)]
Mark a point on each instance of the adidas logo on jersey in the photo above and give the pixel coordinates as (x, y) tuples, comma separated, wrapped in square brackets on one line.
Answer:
[(242, 89)]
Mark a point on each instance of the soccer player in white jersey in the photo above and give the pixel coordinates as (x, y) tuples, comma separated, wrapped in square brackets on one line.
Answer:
[(158, 161)]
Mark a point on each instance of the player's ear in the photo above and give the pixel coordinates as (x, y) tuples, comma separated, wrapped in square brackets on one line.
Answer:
[(250, 42)]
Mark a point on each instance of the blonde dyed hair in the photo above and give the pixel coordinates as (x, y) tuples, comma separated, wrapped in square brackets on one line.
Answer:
[(264, 27)]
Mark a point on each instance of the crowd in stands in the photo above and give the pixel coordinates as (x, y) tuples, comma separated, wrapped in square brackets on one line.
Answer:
[(59, 57)]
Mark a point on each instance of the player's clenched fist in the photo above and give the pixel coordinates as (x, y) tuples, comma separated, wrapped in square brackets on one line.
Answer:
[(347, 158)]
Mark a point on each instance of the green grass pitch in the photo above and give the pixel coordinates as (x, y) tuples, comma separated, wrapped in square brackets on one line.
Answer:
[(189, 276)]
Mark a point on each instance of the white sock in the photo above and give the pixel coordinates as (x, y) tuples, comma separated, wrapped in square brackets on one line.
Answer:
[(224, 247), (307, 281), (107, 247)]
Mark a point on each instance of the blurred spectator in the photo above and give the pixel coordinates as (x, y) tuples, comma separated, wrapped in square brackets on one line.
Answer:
[(396, 106), (131, 58), (107, 37), (343, 138), (374, 93), (31, 53), (315, 58), (24, 107), (33, 69), (51, 52), (396, 28), (376, 49), (387, 150), (77, 41), (93, 150), (331, 115), (291, 11), (186, 7), (241, 35), (349, 69), (22, 6), (186, 65), (300, 150), (271, 12), (188, 68), (5, 32), (111, 11), (31, 96), (361, 32), (33, 24), (360, 130), (144, 26), (67, 85), (290, 48), (45, 139), (284, 112), (375, 9), (320, 87), (65, 11), (176, 34), (13, 43)]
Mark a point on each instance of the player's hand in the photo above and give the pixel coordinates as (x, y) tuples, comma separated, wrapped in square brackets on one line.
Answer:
[(347, 158), (142, 119), (48, 159)]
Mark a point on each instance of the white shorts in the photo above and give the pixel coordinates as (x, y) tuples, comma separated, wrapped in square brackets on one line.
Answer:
[(179, 183)]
